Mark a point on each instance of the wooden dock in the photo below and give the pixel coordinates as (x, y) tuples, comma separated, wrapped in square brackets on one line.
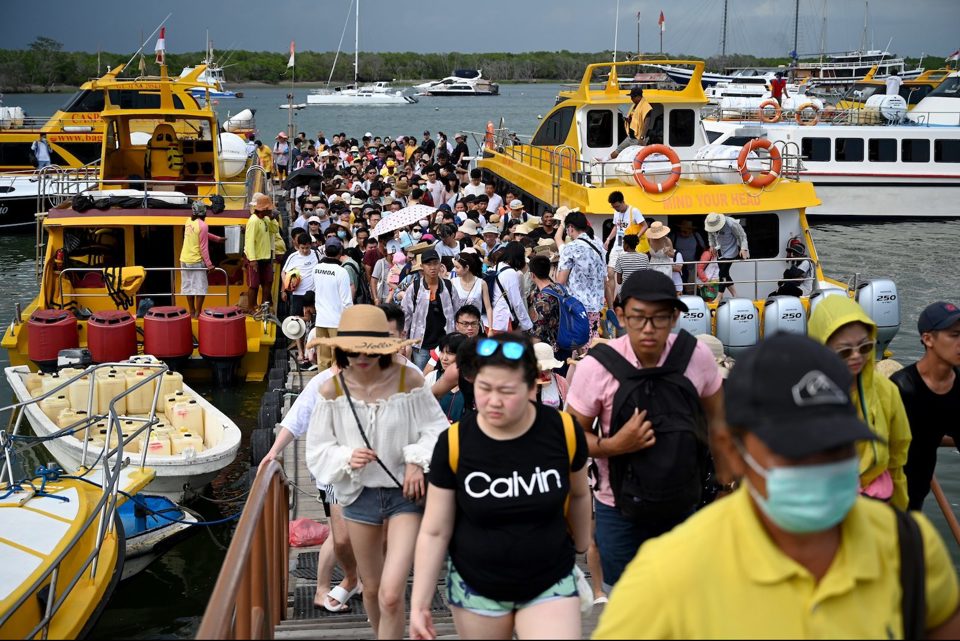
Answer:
[(303, 620)]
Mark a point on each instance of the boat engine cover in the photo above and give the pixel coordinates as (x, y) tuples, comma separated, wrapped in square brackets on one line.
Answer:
[(784, 314), (879, 299), (738, 325), (696, 319)]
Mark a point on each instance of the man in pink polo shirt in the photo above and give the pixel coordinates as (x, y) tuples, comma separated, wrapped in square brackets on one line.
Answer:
[(649, 309)]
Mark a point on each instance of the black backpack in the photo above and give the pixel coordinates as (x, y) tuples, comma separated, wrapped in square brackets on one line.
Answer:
[(363, 296), (661, 484)]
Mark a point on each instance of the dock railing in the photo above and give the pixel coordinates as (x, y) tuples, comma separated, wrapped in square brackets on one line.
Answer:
[(250, 597)]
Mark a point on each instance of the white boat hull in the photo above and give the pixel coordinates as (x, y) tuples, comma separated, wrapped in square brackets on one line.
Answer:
[(357, 99), (872, 200), (177, 476)]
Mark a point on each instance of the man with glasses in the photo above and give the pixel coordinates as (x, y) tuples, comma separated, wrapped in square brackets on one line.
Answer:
[(429, 305), (649, 309), (468, 321)]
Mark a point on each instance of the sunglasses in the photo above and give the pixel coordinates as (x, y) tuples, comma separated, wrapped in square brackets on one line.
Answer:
[(309, 209), (511, 350), (863, 349)]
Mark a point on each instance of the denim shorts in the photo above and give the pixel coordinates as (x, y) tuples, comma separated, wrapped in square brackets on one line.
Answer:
[(378, 504), (461, 595)]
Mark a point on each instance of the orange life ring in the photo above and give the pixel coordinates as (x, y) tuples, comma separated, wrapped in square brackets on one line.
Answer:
[(488, 137), (648, 185), (777, 110), (766, 178), (797, 114)]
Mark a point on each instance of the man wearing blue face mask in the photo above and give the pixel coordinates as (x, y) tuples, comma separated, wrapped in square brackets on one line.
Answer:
[(795, 552)]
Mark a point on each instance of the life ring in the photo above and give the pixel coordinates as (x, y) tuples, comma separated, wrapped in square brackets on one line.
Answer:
[(778, 111), (648, 185), (798, 114), (488, 137), (766, 178)]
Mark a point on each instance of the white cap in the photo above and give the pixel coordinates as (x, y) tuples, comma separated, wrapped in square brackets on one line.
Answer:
[(516, 204), (368, 135)]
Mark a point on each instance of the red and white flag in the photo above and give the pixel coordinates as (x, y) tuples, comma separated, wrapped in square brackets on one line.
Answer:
[(290, 62), (662, 21), (953, 56), (161, 45)]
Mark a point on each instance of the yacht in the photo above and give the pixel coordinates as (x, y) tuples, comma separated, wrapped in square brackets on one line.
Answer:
[(463, 82), (846, 68), (878, 161), (379, 94), (748, 75)]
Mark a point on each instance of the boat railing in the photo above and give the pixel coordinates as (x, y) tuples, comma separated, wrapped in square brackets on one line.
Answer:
[(255, 180), (63, 184), (756, 264), (104, 271), (103, 513), (250, 597), (25, 122)]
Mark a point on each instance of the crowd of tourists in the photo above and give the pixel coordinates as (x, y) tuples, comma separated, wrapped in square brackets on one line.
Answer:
[(475, 413)]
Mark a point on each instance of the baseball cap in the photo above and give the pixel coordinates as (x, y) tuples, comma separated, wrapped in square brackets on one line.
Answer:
[(792, 393), (652, 287), (333, 241), (314, 219), (368, 135), (937, 316), (516, 204), (428, 256)]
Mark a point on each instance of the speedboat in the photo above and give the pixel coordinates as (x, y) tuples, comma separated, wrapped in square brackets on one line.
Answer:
[(152, 524), (115, 249), (463, 82), (62, 544), (183, 465), (872, 162), (678, 176)]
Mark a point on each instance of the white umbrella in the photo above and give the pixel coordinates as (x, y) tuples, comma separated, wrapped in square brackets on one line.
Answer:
[(402, 218)]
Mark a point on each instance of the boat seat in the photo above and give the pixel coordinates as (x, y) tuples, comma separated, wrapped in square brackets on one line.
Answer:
[(164, 154)]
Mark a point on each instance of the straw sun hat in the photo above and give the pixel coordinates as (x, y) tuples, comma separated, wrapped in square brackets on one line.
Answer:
[(363, 329)]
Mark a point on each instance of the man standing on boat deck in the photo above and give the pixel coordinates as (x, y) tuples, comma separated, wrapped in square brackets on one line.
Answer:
[(636, 123), (195, 258), (930, 389), (893, 84), (41, 151), (258, 249), (778, 88), (648, 308), (726, 236)]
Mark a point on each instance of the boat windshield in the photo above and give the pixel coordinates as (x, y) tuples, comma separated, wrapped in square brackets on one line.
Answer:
[(949, 88), (84, 101)]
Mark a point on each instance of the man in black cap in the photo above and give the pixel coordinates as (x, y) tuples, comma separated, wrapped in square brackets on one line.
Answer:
[(930, 389), (613, 383), (427, 145), (636, 123), (795, 552), (429, 305)]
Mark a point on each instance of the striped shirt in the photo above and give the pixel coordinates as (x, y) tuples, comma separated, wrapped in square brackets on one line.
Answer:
[(629, 262)]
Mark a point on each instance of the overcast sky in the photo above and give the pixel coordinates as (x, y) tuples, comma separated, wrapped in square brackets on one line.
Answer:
[(759, 27)]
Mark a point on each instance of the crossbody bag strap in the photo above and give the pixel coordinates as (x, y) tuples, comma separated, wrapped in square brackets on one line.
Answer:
[(356, 417), (912, 576), (513, 314)]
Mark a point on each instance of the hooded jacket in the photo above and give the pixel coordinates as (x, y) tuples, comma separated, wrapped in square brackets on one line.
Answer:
[(885, 413)]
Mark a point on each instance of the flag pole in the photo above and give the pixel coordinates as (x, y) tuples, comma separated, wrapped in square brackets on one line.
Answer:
[(638, 34)]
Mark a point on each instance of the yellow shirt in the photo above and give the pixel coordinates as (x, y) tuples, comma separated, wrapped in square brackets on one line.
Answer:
[(636, 117), (265, 156), (190, 252), (258, 240), (719, 575)]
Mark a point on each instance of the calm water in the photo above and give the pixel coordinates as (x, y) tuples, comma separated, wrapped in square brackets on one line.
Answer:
[(168, 599)]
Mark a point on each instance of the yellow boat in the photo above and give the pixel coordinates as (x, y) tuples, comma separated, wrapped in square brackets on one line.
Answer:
[(75, 131), (913, 90), (97, 259), (61, 541), (566, 163)]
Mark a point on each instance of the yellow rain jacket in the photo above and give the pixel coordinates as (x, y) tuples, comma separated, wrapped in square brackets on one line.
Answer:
[(886, 415)]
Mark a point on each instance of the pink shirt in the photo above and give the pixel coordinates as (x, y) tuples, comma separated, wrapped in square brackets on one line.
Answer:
[(593, 388)]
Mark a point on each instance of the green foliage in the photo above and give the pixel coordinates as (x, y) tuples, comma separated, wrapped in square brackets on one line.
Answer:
[(44, 64)]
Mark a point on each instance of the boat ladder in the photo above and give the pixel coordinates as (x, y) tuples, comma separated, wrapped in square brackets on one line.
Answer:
[(562, 157)]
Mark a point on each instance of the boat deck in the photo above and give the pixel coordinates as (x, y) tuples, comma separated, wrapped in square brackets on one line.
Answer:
[(303, 620)]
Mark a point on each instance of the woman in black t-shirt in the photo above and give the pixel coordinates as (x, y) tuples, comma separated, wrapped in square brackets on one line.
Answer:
[(500, 482)]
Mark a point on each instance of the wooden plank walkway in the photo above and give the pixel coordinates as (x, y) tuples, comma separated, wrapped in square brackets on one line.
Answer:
[(306, 505)]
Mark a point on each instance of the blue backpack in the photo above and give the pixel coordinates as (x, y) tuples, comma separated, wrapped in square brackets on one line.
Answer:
[(574, 330)]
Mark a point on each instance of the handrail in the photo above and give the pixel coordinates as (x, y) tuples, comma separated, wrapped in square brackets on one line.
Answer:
[(103, 270), (250, 597), (104, 510), (945, 507)]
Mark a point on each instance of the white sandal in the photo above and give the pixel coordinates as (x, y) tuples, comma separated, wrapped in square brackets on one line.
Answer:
[(343, 596)]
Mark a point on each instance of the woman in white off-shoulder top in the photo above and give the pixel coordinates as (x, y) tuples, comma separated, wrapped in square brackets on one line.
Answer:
[(371, 436)]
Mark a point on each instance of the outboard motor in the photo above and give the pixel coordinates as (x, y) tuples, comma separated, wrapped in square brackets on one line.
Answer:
[(817, 297), (784, 314), (697, 319), (223, 341), (738, 325), (880, 300)]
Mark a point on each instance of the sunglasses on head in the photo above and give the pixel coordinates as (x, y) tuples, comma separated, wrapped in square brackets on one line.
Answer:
[(511, 350), (863, 349)]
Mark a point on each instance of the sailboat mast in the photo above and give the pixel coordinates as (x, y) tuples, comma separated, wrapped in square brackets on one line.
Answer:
[(723, 32), (823, 31), (796, 28), (356, 47), (863, 38)]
